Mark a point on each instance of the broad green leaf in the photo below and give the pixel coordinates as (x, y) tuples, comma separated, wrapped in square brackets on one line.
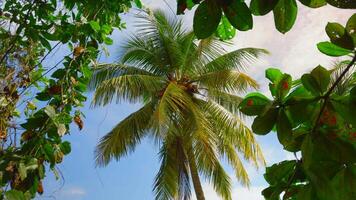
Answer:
[(239, 15), (331, 49), (206, 19), (50, 111), (274, 74), (301, 109), (322, 77), (313, 3), (65, 147), (342, 3), (225, 30), (95, 25), (310, 84), (254, 104), (283, 86), (263, 124), (346, 109), (284, 129), (338, 35), (280, 172), (262, 7), (14, 195), (285, 14), (351, 28)]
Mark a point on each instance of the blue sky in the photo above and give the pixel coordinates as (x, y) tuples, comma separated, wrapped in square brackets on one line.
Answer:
[(132, 177)]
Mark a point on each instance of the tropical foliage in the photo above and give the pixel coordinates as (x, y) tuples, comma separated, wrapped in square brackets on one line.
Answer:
[(224, 16), (37, 107), (188, 89), (315, 117)]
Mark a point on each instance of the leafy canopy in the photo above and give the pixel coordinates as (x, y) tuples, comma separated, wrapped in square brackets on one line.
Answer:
[(224, 15), (315, 117)]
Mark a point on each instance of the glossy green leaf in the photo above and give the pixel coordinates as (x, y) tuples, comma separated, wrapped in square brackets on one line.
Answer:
[(206, 19), (322, 77), (283, 86), (274, 74), (313, 3), (95, 25), (225, 30), (338, 35), (108, 41), (331, 49), (262, 7), (263, 124), (284, 129), (285, 14), (239, 15), (280, 172), (351, 28), (254, 104)]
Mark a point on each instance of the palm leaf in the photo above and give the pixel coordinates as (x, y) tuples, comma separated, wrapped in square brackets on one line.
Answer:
[(124, 137)]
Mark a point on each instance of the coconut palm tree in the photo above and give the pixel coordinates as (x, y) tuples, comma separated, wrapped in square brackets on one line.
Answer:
[(188, 90)]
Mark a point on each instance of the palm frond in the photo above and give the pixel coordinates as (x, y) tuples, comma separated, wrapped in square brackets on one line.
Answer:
[(173, 179), (230, 128), (238, 59), (231, 81), (228, 101), (107, 71), (131, 87), (124, 137)]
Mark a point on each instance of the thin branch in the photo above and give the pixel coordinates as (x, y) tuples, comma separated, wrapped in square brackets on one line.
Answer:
[(327, 95)]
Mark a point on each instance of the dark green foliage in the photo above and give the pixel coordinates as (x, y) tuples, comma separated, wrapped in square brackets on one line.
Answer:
[(317, 120), (239, 14)]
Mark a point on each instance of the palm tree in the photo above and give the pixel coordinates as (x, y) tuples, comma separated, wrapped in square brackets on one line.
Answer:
[(188, 89)]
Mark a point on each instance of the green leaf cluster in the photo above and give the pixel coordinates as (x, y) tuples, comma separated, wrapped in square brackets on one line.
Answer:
[(312, 116), (209, 13)]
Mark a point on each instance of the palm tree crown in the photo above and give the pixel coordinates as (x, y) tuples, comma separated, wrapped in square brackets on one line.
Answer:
[(188, 89)]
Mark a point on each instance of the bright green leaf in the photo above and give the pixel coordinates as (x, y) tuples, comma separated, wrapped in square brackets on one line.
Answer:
[(332, 49), (95, 25), (254, 104), (225, 30)]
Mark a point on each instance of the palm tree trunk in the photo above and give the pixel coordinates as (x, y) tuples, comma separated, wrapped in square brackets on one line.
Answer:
[(195, 177)]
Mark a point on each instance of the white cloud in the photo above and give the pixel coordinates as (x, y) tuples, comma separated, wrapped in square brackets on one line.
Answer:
[(238, 192), (70, 192)]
